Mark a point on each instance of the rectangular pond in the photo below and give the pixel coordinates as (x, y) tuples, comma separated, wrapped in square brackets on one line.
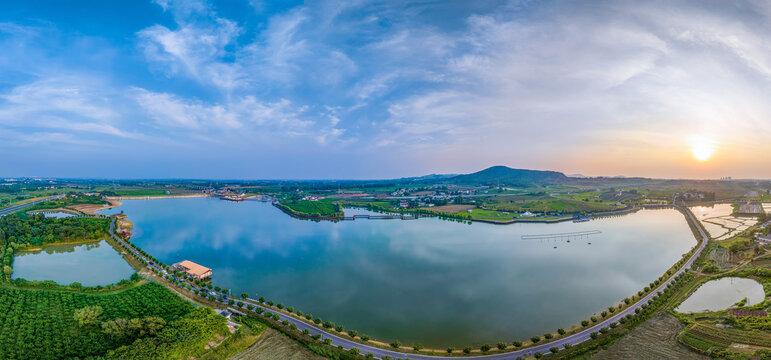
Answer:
[(428, 281), (91, 264)]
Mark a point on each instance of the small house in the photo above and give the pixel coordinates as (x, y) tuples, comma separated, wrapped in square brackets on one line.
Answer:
[(193, 269)]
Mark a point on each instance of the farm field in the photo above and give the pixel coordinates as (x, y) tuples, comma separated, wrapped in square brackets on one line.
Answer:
[(40, 324), (450, 209), (719, 221), (274, 345), (654, 339), (703, 336), (546, 203), (491, 214), (313, 208)]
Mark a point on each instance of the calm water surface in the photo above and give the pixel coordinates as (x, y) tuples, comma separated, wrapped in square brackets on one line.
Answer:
[(57, 214), (427, 281), (90, 264), (721, 294)]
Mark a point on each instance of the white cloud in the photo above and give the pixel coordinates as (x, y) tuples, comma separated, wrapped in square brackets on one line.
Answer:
[(244, 114), (72, 103)]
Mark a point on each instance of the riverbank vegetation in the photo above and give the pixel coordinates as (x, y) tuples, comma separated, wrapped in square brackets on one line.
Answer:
[(20, 231), (742, 331), (69, 200)]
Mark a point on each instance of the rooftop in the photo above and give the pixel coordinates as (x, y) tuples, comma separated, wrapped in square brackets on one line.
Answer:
[(194, 268)]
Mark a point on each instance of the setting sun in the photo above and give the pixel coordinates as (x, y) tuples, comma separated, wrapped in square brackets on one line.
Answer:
[(702, 147)]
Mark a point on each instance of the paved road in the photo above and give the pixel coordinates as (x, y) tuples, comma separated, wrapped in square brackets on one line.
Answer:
[(380, 353), (14, 208)]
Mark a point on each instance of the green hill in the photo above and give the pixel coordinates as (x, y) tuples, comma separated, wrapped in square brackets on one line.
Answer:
[(506, 176)]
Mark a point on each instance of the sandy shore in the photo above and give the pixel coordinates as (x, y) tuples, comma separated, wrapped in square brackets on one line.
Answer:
[(92, 209)]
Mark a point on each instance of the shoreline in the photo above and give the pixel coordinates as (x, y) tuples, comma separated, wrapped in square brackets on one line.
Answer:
[(152, 197), (411, 215), (42, 247), (577, 334)]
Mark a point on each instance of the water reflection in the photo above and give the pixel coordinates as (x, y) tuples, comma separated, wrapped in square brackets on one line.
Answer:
[(427, 281), (90, 264)]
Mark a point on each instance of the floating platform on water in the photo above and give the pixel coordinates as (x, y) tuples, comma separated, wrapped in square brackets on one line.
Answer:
[(558, 236)]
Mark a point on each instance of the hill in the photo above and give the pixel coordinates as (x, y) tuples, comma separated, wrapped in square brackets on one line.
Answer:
[(506, 176)]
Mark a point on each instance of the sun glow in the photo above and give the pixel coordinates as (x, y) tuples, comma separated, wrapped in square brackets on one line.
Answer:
[(702, 147)]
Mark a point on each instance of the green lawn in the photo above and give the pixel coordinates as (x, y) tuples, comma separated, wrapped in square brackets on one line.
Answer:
[(491, 214)]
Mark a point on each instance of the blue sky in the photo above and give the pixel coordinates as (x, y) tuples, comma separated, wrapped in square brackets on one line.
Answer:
[(363, 89)]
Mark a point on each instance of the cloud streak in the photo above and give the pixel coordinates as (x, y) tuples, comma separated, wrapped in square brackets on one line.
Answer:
[(590, 87)]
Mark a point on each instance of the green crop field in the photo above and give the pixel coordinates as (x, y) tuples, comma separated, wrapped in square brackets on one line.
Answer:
[(40, 324), (491, 214), (323, 207), (702, 336), (546, 203)]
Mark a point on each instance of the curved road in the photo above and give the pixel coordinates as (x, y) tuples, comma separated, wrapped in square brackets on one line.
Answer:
[(14, 208), (574, 339)]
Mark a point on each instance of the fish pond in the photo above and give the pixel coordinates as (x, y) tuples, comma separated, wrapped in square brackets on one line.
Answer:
[(90, 264), (427, 281), (721, 294)]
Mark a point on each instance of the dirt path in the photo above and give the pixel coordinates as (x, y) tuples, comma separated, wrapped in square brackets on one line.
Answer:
[(274, 345), (654, 339)]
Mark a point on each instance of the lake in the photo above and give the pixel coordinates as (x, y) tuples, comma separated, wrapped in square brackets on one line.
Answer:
[(90, 264), (721, 294), (56, 214), (428, 281)]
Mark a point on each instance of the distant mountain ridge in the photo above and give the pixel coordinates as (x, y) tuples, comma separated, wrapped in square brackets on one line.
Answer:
[(506, 176)]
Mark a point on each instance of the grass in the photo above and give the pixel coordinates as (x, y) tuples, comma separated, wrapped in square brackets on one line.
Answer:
[(546, 203), (324, 207), (704, 333), (656, 338), (491, 214), (243, 338)]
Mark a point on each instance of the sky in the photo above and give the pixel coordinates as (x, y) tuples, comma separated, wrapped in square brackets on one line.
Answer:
[(250, 89)]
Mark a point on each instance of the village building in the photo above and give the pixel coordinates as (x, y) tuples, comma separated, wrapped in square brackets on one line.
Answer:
[(763, 239), (193, 269)]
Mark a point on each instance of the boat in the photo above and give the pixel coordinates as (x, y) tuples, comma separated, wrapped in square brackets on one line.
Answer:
[(581, 219)]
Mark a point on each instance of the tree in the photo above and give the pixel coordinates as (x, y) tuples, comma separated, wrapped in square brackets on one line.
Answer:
[(88, 315), (501, 345), (561, 331), (244, 295), (467, 350), (554, 349), (485, 348), (516, 343), (450, 350), (396, 344), (535, 339)]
